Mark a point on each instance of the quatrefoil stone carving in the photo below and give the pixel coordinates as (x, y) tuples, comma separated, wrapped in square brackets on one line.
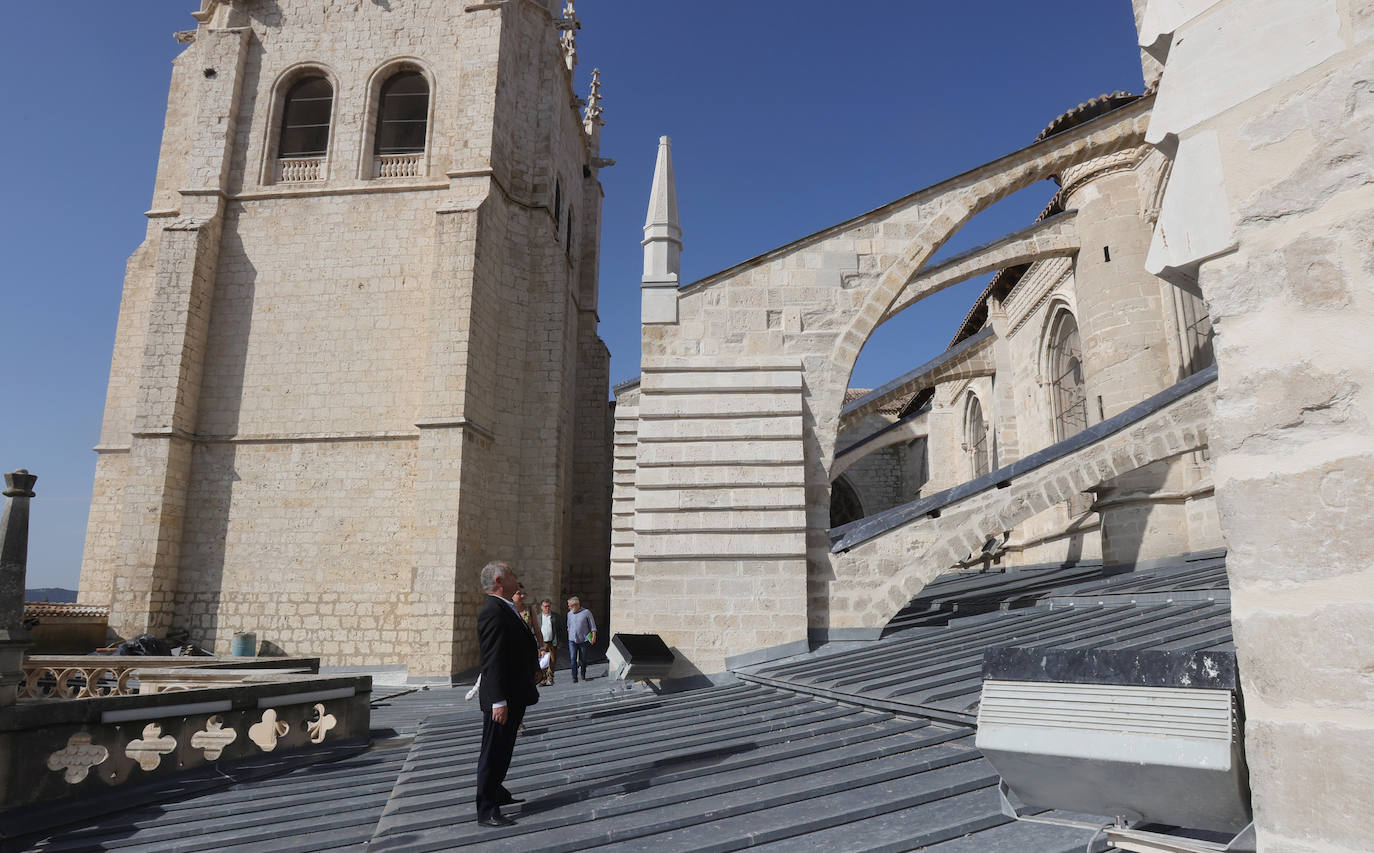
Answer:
[(149, 749), (77, 758), (266, 733), (214, 738), (320, 726)]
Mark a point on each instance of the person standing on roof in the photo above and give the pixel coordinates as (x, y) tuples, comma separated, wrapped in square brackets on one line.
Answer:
[(506, 689), (581, 635), (547, 629), (521, 601)]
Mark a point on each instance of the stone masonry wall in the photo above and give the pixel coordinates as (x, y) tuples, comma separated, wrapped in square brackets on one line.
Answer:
[(719, 508), (1268, 112), (883, 478)]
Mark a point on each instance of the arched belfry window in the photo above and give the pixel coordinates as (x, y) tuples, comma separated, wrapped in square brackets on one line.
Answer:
[(402, 125), (976, 437), (844, 503), (304, 137), (1065, 362)]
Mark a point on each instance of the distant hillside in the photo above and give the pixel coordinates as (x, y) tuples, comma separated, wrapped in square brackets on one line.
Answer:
[(51, 593)]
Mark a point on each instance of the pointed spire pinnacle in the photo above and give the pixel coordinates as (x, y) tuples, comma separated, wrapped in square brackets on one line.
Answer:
[(663, 196), (662, 243), (594, 110), (662, 228)]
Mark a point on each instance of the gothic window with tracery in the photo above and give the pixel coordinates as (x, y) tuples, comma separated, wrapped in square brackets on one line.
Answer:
[(1067, 395), (976, 437)]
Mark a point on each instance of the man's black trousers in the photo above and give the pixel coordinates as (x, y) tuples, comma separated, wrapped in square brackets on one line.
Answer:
[(498, 744)]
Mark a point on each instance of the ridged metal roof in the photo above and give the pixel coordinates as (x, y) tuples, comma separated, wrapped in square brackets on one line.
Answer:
[(867, 748), (930, 660)]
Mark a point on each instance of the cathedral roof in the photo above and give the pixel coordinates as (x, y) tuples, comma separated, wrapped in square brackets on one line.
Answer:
[(1002, 282), (861, 744), (36, 609), (893, 406)]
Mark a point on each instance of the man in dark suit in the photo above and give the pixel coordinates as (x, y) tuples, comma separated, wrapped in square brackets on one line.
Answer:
[(510, 660)]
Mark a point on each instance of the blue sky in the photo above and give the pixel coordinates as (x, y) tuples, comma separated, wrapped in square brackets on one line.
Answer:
[(785, 118)]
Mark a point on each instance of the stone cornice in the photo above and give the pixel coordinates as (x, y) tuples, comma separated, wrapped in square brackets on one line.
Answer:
[(266, 438), (456, 423)]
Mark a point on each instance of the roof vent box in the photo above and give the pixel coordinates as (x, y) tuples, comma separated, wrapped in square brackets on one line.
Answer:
[(1145, 735), (635, 657)]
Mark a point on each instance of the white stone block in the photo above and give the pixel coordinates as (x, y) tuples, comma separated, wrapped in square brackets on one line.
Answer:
[(658, 303), (1236, 52)]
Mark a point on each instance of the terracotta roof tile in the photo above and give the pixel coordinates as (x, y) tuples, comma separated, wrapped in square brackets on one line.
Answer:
[(34, 609), (893, 406)]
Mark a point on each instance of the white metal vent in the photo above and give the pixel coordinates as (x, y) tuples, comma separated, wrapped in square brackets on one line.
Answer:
[(1164, 711), (1165, 754)]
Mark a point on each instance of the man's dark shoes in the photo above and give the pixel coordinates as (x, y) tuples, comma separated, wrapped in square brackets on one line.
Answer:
[(510, 801), (495, 820)]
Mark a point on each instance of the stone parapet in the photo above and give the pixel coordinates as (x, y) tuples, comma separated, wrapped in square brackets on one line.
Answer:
[(63, 677), (85, 747)]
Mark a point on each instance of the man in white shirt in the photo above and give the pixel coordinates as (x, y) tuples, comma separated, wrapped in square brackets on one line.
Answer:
[(546, 630)]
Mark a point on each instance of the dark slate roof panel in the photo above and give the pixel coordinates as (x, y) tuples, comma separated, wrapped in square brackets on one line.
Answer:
[(342, 799), (930, 660), (776, 768)]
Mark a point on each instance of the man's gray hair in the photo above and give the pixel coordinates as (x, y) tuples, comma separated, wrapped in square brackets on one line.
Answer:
[(573, 598), (491, 571)]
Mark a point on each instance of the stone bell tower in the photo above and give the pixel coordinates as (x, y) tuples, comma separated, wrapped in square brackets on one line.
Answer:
[(357, 353)]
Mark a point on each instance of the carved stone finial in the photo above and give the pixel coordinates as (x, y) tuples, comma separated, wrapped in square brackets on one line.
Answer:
[(184, 36), (567, 37), (594, 109), (19, 484), (569, 20)]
